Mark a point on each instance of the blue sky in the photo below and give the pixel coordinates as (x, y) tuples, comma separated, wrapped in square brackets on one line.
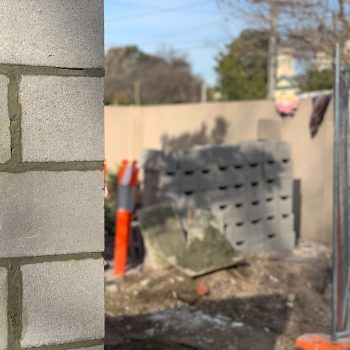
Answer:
[(197, 28)]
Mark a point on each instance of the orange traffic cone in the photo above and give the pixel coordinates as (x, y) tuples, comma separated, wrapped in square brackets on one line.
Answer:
[(321, 342), (127, 182), (123, 221)]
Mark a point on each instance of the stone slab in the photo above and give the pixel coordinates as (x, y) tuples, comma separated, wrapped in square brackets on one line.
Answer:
[(162, 233)]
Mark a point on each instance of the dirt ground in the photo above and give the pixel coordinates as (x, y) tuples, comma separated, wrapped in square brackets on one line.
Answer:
[(265, 304)]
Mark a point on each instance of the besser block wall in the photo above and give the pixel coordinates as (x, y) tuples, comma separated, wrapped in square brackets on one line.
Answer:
[(249, 184), (51, 178)]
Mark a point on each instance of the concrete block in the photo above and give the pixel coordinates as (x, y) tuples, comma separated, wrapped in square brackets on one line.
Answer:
[(280, 243), (150, 159), (223, 211), (62, 118), (221, 199), (189, 160), (151, 179), (208, 179), (287, 223), (279, 232), (253, 172), (256, 230), (257, 246), (285, 168), (269, 150), (170, 182), (225, 176), (248, 238), (270, 188), (158, 160), (271, 170), (238, 176), (285, 205), (272, 226), (5, 136), (285, 187), (238, 158), (254, 191), (202, 200), (189, 181), (237, 235), (211, 196), (150, 187), (64, 33), (241, 246), (66, 308), (239, 212), (251, 151), (206, 157), (3, 308), (255, 210), (239, 193), (51, 213), (270, 207), (223, 155)]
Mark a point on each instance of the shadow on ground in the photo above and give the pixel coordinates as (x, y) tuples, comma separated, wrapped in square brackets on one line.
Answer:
[(234, 324)]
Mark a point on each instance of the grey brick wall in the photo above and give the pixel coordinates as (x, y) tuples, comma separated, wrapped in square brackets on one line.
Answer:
[(51, 178), (3, 308), (5, 137)]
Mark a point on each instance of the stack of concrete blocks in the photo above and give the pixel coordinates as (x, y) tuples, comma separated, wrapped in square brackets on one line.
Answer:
[(51, 174), (249, 184)]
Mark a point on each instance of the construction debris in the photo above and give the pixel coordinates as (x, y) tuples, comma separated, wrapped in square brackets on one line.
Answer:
[(246, 305), (162, 234), (204, 250)]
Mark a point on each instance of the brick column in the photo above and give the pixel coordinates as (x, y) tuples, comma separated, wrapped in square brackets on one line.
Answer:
[(51, 178)]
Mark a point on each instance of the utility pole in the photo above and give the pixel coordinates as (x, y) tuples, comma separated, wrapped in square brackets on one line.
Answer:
[(272, 53), (204, 92), (137, 93)]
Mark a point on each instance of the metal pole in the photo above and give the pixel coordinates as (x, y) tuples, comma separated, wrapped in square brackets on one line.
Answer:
[(343, 115), (204, 92), (272, 54), (335, 195)]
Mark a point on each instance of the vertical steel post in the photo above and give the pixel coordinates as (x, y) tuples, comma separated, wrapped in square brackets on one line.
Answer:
[(344, 116), (335, 311)]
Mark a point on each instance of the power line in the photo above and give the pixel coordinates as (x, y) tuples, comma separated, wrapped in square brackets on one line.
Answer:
[(179, 34), (155, 13)]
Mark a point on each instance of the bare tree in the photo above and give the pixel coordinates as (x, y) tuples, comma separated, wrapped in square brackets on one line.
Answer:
[(309, 27), (134, 77)]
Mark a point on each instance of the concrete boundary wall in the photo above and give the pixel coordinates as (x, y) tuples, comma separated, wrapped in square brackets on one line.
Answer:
[(128, 130), (51, 175)]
